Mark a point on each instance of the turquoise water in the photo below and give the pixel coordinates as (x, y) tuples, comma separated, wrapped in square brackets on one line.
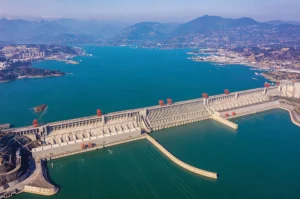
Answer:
[(259, 160), (117, 79)]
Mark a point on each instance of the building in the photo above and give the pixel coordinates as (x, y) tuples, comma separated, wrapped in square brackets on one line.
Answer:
[(3, 65), (290, 89)]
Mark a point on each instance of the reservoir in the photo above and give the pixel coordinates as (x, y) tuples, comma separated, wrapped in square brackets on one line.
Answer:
[(259, 160)]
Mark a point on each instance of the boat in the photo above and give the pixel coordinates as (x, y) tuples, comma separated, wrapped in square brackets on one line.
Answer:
[(40, 108), (256, 73)]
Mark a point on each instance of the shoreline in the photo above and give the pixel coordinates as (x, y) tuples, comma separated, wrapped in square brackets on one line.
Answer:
[(32, 77), (254, 66), (238, 63), (67, 61), (39, 76)]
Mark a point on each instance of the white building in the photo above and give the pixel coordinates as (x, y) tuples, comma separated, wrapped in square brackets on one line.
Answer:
[(2, 65), (290, 89)]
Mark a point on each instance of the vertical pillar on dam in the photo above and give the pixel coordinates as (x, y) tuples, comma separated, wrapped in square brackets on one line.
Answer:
[(143, 112), (205, 101), (103, 119), (143, 120), (236, 95), (265, 91)]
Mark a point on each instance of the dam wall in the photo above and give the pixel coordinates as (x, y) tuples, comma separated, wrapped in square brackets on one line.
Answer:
[(157, 117), (176, 114), (181, 163), (241, 99), (96, 147), (68, 135), (53, 150), (250, 109)]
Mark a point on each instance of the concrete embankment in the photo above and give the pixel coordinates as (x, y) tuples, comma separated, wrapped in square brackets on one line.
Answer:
[(224, 121), (241, 112), (291, 115), (181, 163), (69, 153), (38, 183), (40, 191)]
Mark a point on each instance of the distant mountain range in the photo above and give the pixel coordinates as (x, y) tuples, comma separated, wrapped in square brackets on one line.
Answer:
[(69, 30), (147, 31), (279, 22), (214, 23), (203, 31), (211, 31)]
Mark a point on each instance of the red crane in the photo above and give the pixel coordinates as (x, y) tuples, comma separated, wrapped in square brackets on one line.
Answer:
[(35, 123), (267, 85), (233, 114), (161, 102), (169, 101), (205, 95), (90, 145), (99, 112), (226, 115), (226, 91), (82, 146), (277, 83)]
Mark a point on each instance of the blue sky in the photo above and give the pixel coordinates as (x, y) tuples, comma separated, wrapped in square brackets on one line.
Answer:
[(152, 10)]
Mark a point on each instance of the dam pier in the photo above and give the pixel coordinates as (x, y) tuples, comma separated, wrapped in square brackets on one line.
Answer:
[(74, 136)]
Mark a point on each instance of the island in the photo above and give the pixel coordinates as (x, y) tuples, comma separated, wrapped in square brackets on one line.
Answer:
[(16, 60)]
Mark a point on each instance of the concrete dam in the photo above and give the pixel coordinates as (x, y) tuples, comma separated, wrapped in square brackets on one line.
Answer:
[(63, 138)]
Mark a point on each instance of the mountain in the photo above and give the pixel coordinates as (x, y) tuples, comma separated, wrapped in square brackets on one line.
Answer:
[(279, 22), (44, 31), (209, 31), (24, 31), (98, 29), (205, 31), (206, 22), (147, 31)]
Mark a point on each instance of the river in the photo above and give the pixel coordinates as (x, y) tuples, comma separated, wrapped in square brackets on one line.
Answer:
[(259, 160)]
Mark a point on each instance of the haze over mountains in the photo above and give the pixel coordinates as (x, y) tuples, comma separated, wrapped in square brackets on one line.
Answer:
[(244, 31)]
